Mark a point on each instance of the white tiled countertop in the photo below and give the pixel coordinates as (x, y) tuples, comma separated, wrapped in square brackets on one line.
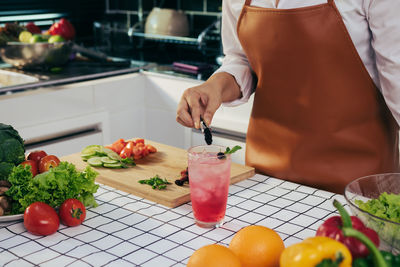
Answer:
[(125, 230)]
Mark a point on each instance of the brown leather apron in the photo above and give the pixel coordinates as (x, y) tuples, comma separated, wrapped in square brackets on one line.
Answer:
[(318, 119)]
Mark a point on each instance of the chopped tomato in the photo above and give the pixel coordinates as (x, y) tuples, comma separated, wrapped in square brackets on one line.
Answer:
[(136, 151), (126, 152), (140, 140), (140, 145), (145, 151), (151, 148), (118, 145), (137, 156)]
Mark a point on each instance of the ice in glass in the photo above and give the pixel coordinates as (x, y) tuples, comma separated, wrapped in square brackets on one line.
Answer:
[(209, 177)]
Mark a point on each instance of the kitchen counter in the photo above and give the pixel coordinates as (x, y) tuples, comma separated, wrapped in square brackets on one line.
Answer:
[(76, 71), (126, 230)]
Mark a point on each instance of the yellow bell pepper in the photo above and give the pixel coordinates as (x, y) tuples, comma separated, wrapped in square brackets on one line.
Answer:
[(314, 250)]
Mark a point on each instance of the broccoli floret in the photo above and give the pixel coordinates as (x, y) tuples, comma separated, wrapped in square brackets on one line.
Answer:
[(12, 150)]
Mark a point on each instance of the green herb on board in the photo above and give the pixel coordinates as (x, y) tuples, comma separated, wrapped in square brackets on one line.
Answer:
[(156, 182)]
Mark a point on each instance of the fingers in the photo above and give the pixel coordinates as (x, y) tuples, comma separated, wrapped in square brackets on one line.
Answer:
[(195, 108), (195, 102), (211, 107), (182, 114)]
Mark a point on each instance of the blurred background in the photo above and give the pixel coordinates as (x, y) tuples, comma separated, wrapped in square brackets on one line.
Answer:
[(117, 27)]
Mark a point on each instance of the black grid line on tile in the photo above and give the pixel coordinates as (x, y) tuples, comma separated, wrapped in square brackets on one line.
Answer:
[(113, 221)]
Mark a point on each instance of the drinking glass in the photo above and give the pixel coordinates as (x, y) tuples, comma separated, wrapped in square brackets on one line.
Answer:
[(209, 178)]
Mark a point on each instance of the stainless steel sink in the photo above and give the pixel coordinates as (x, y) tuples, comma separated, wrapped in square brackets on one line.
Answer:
[(9, 78)]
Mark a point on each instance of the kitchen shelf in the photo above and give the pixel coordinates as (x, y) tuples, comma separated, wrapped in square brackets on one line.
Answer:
[(210, 34)]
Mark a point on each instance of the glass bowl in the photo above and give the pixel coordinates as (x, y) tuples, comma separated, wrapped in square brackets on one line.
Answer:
[(36, 55), (370, 187)]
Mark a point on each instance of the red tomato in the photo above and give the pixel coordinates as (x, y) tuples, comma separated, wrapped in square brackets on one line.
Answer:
[(34, 166), (41, 219), (118, 145), (36, 155), (151, 148), (72, 212), (140, 140), (145, 151), (127, 150), (136, 151), (47, 162), (140, 144)]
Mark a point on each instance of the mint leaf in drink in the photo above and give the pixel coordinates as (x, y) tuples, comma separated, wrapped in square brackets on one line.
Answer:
[(221, 155), (233, 150)]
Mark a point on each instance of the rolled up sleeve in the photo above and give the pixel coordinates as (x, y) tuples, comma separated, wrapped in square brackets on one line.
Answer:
[(235, 61), (384, 22)]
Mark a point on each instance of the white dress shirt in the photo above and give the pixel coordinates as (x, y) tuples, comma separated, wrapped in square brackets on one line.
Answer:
[(373, 25)]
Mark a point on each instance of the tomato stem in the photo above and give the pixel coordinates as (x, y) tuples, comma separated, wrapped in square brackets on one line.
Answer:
[(76, 213)]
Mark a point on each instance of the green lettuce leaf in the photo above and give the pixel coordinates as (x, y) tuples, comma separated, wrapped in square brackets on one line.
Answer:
[(52, 187)]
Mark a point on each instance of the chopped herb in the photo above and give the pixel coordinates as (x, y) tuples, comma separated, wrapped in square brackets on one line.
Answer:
[(127, 161), (156, 182)]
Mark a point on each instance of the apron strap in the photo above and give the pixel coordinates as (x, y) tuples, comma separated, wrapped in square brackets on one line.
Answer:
[(247, 3), (330, 2)]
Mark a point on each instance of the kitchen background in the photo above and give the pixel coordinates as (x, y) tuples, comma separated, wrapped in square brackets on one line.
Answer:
[(111, 26), (145, 92)]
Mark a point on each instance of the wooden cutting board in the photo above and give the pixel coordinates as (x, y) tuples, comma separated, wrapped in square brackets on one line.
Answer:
[(167, 162)]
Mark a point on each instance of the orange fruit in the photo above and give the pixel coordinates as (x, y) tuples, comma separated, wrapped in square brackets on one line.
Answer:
[(213, 256), (256, 246)]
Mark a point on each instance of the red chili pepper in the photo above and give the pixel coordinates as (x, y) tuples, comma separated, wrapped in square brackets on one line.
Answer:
[(63, 28), (332, 228)]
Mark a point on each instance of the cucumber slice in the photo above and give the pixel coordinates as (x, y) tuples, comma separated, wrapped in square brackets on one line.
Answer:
[(113, 165), (95, 162), (88, 155), (113, 155), (92, 149), (107, 150), (108, 160)]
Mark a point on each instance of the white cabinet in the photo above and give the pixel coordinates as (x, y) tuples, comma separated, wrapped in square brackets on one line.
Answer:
[(63, 115), (69, 117), (162, 95)]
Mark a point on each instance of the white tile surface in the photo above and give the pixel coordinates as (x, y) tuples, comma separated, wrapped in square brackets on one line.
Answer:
[(126, 230)]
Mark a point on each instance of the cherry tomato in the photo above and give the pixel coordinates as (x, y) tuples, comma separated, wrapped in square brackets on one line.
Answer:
[(36, 155), (138, 141), (33, 164), (72, 212), (140, 144), (137, 152), (151, 148), (48, 162), (41, 219), (145, 151), (126, 152), (118, 145)]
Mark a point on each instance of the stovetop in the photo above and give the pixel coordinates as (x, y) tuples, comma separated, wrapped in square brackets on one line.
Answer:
[(74, 71)]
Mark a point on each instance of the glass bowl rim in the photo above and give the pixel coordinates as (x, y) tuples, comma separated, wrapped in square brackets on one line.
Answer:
[(364, 211)]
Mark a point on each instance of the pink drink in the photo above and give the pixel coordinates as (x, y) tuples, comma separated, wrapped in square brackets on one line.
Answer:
[(209, 179)]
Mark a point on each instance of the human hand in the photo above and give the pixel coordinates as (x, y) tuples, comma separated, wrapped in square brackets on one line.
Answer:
[(202, 100)]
